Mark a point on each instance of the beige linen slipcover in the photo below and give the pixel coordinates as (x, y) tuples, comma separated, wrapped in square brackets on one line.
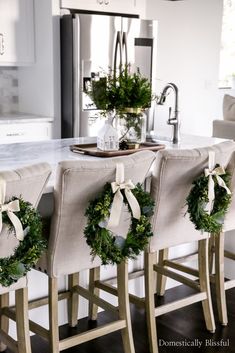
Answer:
[(77, 183), (28, 183), (172, 178)]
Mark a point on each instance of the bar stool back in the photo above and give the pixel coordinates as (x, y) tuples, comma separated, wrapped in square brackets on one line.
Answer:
[(27, 183)]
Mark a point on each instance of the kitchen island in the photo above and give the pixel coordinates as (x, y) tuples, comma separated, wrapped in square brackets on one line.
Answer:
[(17, 155)]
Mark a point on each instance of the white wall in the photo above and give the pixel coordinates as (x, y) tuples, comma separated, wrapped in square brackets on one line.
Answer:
[(188, 55), (39, 84)]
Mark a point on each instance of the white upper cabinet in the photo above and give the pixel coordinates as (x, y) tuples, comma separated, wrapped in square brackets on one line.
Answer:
[(16, 32), (116, 6)]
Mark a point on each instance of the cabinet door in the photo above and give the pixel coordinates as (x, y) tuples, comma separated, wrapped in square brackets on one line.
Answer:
[(16, 32), (116, 6), (90, 5), (121, 6)]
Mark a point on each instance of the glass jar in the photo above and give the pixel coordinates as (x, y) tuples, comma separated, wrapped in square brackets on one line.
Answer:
[(131, 125)]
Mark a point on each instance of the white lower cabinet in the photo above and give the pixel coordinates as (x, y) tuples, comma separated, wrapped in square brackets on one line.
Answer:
[(24, 132)]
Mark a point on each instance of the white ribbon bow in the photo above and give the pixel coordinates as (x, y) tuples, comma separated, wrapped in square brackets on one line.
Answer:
[(214, 172), (116, 208), (9, 208)]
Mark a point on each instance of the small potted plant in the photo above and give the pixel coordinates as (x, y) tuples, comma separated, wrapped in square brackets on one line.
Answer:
[(128, 95)]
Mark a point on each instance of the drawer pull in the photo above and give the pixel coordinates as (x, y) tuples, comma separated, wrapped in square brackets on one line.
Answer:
[(2, 44), (15, 134)]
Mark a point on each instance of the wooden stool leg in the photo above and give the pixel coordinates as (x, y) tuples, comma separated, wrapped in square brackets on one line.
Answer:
[(93, 276), (219, 279), (161, 280), (73, 281), (124, 307), (22, 321), (53, 315), (149, 301), (4, 321), (203, 265)]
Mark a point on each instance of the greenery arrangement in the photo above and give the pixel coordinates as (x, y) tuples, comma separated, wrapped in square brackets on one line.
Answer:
[(109, 247), (30, 248), (127, 94), (122, 91), (197, 200)]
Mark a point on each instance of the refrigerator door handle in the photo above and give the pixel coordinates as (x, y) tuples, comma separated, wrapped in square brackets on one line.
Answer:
[(124, 46), (118, 44)]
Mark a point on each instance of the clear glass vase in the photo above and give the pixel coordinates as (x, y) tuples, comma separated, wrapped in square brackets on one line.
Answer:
[(131, 125)]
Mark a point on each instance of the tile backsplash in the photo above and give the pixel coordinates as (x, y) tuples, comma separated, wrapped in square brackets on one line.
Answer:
[(9, 97)]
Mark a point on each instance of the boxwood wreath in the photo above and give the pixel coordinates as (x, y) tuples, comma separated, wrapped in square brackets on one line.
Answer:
[(198, 198), (103, 242), (29, 249)]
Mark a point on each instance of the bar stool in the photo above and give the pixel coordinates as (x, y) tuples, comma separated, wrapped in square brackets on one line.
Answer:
[(77, 183), (226, 157), (172, 180), (27, 183), (220, 253)]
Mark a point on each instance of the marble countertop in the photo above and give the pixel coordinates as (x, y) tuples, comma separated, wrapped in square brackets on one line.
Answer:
[(17, 155)]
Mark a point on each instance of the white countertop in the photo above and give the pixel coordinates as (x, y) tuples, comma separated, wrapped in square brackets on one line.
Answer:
[(19, 118), (17, 155)]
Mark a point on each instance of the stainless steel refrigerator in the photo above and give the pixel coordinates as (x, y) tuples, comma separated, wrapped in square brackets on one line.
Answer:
[(92, 44)]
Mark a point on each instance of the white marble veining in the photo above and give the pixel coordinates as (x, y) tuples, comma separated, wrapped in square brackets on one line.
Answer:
[(53, 151)]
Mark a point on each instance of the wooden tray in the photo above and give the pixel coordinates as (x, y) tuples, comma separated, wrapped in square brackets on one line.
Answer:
[(91, 149)]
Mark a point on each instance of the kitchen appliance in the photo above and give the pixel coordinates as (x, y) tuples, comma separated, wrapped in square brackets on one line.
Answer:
[(92, 44)]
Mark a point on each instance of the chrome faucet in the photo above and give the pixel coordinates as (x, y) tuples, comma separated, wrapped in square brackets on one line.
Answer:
[(172, 120)]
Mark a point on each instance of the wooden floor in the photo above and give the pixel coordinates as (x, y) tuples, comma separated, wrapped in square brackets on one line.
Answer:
[(180, 331)]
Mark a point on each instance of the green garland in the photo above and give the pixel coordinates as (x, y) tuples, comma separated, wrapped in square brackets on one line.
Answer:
[(30, 248), (110, 248), (197, 200)]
